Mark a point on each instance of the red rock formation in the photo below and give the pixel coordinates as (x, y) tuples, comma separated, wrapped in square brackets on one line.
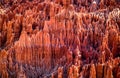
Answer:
[(92, 71), (99, 71), (59, 39)]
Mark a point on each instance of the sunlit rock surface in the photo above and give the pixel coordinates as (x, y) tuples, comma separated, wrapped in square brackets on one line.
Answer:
[(59, 39)]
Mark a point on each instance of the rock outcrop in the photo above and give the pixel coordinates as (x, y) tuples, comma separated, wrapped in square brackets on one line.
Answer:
[(59, 39)]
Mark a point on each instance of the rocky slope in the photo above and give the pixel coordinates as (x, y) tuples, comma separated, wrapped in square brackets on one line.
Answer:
[(59, 39)]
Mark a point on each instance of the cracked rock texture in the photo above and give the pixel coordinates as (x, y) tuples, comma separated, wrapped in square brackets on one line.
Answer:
[(59, 38)]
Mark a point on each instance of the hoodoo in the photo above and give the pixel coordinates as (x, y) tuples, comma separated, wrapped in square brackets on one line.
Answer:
[(59, 38)]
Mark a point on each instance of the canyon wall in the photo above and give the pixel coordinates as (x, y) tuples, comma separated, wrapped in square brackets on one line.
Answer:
[(59, 39)]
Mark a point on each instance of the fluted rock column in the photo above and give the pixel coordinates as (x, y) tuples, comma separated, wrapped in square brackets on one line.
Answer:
[(92, 71), (75, 71), (23, 52), (99, 70), (17, 27), (21, 73), (39, 47), (60, 72), (108, 71), (101, 4), (10, 34), (69, 57), (70, 72), (46, 48), (4, 71), (3, 64)]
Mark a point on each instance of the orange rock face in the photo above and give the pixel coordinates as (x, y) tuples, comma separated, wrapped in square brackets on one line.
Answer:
[(59, 39)]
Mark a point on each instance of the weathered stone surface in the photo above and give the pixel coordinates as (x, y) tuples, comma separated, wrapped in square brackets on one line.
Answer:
[(59, 39)]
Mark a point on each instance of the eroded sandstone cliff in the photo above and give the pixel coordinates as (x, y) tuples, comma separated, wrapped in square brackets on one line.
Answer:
[(60, 39)]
